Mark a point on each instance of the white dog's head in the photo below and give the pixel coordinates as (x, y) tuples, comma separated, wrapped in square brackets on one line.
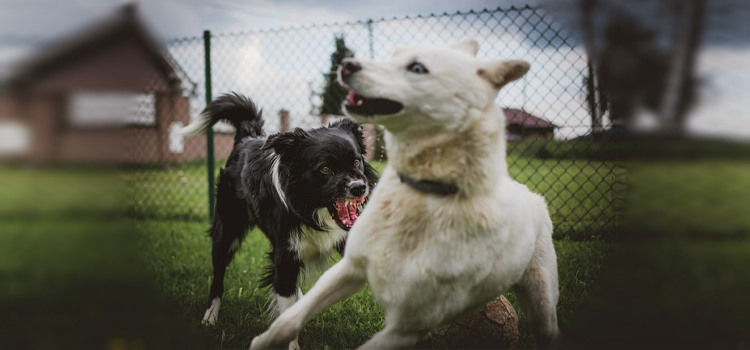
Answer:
[(425, 86)]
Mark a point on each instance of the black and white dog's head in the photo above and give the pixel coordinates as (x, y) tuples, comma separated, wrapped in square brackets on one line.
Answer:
[(328, 170)]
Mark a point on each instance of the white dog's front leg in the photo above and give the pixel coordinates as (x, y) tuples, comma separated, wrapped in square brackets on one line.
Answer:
[(284, 303), (337, 283), (390, 338), (538, 292)]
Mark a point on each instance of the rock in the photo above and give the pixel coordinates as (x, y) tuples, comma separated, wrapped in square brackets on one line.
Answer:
[(494, 327)]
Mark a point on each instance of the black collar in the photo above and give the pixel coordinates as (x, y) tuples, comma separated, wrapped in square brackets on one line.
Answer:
[(428, 186)]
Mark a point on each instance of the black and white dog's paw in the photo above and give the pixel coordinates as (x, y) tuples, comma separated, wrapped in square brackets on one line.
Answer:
[(212, 313)]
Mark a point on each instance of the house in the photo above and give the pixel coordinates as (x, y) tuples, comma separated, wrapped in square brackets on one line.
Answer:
[(107, 94), (520, 124)]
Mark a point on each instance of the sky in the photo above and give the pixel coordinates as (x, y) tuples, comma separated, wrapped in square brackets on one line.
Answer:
[(27, 24), (33, 20)]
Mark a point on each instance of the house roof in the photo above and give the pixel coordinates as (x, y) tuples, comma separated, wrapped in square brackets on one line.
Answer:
[(70, 47), (525, 120)]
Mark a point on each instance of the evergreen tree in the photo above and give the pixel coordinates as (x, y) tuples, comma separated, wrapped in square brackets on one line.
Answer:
[(333, 93)]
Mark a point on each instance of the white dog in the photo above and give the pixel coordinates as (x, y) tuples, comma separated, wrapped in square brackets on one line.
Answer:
[(446, 230)]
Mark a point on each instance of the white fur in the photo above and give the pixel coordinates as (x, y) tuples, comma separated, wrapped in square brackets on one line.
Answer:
[(277, 180), (282, 304), (235, 245), (432, 259), (212, 313), (196, 126), (314, 247)]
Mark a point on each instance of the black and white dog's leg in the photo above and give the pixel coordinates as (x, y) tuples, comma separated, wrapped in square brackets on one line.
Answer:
[(287, 268), (222, 252), (229, 227), (221, 256)]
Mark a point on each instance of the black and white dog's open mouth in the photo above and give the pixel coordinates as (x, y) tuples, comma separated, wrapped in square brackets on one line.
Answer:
[(360, 105), (346, 211)]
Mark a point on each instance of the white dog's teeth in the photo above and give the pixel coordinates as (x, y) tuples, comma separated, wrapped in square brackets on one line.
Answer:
[(359, 102)]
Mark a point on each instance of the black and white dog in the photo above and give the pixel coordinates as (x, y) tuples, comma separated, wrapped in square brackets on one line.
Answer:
[(304, 189)]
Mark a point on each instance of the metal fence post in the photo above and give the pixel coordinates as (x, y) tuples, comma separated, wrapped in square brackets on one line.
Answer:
[(369, 39), (210, 131)]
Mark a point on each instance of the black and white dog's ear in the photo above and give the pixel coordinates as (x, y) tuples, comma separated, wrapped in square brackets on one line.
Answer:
[(355, 129), (285, 141)]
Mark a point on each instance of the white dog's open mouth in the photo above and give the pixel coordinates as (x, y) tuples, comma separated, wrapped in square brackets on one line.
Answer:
[(358, 104)]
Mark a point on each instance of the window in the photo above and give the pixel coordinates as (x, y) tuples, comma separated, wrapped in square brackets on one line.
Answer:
[(15, 137), (176, 138), (111, 109)]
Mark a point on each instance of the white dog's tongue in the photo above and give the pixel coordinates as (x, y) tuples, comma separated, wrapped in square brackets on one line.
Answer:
[(347, 211), (350, 97)]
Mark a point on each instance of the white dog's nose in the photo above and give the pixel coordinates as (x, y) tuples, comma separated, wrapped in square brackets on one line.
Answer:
[(348, 67)]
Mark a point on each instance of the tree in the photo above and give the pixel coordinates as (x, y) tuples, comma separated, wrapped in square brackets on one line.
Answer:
[(635, 72), (333, 93)]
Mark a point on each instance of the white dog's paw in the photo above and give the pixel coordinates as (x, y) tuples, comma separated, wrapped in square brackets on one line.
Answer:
[(212, 313), (294, 345)]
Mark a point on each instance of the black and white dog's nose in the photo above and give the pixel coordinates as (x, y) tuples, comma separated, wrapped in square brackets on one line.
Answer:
[(349, 66), (357, 188)]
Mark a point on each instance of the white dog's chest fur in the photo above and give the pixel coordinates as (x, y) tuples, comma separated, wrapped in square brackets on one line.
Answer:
[(445, 253)]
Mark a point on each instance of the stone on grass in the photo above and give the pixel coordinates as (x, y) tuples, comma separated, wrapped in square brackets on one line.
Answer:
[(494, 327)]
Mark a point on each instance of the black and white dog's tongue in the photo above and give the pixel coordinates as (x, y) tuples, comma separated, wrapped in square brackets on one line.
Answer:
[(348, 210)]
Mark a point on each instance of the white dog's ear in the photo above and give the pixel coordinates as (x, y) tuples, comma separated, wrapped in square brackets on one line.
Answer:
[(503, 72), (469, 46)]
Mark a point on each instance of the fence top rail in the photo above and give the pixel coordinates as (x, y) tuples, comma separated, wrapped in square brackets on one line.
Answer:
[(358, 22)]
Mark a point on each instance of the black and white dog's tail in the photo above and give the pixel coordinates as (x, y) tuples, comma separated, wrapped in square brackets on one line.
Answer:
[(238, 110)]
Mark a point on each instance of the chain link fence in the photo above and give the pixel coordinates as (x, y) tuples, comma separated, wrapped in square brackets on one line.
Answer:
[(285, 71)]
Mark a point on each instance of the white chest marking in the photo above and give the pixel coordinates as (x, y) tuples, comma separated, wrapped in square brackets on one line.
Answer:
[(314, 247), (277, 180)]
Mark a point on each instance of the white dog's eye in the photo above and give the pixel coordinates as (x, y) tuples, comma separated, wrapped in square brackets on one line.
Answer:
[(418, 68)]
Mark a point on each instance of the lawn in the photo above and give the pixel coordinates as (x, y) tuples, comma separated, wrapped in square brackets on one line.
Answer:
[(70, 263), (170, 205), (179, 255), (75, 274)]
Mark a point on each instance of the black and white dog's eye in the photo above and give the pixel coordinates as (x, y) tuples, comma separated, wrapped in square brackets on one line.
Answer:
[(325, 170), (356, 162), (417, 68)]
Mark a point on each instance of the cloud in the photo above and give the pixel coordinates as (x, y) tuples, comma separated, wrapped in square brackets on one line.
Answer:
[(722, 107)]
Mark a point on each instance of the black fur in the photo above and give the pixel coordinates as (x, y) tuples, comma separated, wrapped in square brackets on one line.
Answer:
[(246, 196), (237, 110)]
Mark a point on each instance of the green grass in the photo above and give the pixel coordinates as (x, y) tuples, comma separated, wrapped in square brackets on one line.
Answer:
[(579, 195), (62, 193), (668, 293), (706, 198), (47, 259), (179, 255), (78, 284), (75, 274), (70, 275)]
